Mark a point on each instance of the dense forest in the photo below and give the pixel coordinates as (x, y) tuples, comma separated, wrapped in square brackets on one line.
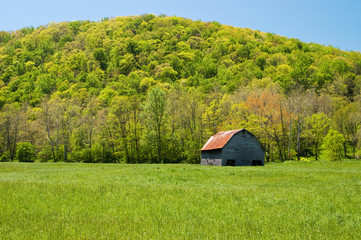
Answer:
[(154, 88)]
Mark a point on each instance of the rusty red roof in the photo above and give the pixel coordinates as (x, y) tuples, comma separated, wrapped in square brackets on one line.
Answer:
[(219, 140)]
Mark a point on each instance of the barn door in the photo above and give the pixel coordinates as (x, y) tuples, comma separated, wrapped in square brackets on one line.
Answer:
[(256, 162), (231, 162)]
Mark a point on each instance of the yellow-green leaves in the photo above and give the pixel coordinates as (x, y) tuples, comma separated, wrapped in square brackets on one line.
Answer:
[(333, 143)]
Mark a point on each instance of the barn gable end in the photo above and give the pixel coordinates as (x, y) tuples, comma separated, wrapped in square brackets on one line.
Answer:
[(233, 148)]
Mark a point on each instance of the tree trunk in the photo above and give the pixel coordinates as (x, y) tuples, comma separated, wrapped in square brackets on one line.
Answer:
[(136, 137), (14, 144), (90, 136), (279, 149), (51, 142), (345, 148), (57, 138), (159, 146), (298, 138), (66, 140), (124, 141), (283, 141), (289, 141)]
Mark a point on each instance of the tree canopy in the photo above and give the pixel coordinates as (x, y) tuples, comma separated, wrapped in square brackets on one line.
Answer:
[(154, 88)]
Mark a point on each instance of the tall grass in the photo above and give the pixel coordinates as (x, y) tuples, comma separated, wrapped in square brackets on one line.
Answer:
[(95, 201)]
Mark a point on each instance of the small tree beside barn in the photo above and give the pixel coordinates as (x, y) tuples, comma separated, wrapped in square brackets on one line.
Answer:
[(233, 148)]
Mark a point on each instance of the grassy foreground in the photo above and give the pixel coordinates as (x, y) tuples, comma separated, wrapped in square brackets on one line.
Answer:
[(94, 201)]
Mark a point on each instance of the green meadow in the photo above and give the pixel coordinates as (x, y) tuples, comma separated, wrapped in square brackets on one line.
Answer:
[(290, 200)]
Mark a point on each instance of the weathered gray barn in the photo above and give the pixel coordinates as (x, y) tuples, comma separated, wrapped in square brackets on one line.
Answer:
[(233, 148)]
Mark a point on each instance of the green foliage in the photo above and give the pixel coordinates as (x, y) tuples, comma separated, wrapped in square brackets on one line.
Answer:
[(333, 142), (303, 159), (317, 127), (4, 158), (212, 117), (212, 77), (101, 57), (45, 155), (25, 152), (155, 117), (74, 26)]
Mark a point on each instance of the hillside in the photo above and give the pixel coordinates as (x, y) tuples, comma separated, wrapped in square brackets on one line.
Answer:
[(154, 88)]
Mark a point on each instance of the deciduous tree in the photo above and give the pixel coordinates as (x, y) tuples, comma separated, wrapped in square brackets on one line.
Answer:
[(154, 117)]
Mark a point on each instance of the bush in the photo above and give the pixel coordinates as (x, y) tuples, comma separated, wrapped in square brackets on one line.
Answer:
[(46, 154), (94, 155), (333, 144), (25, 152), (304, 159), (4, 158)]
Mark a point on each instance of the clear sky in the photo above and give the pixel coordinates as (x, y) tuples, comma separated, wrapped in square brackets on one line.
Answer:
[(328, 22)]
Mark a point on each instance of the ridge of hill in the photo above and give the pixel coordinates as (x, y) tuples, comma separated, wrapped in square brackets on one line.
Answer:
[(164, 49)]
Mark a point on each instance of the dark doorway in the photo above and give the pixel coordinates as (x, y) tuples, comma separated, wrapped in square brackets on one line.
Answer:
[(231, 162), (256, 162)]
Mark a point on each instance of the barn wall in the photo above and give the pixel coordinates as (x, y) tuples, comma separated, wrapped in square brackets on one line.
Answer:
[(243, 148), (213, 162), (212, 157)]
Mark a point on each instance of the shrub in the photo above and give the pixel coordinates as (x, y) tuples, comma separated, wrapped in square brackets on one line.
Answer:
[(46, 154), (304, 159), (25, 152), (333, 144), (4, 158)]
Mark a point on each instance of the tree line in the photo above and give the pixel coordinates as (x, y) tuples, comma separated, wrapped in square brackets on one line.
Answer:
[(171, 125), (154, 89)]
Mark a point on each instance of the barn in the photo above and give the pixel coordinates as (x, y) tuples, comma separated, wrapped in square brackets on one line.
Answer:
[(233, 148)]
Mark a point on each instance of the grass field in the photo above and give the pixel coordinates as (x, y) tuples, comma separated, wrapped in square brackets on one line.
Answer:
[(94, 201)]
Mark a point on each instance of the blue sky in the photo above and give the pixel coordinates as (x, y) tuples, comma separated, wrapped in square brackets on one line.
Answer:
[(336, 23)]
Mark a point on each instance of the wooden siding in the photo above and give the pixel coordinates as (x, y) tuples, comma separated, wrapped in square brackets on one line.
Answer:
[(243, 148)]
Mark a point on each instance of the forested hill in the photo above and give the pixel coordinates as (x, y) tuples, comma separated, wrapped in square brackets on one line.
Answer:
[(154, 88)]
